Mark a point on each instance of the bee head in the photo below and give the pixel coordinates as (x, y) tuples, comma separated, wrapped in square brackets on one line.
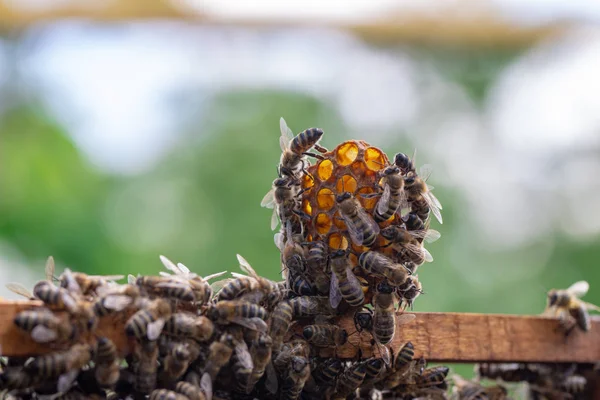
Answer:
[(265, 341), (385, 287), (409, 180), (388, 233), (363, 319), (344, 196), (308, 332), (391, 170), (552, 297), (339, 253), (281, 182)]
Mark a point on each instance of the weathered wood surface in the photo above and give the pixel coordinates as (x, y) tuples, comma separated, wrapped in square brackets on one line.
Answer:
[(439, 337)]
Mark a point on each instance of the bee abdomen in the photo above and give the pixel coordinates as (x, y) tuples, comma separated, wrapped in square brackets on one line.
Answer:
[(305, 140), (136, 326), (353, 295)]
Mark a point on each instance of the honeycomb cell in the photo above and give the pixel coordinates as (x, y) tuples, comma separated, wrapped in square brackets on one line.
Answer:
[(306, 207), (367, 202), (308, 181), (338, 241), (325, 199), (346, 184), (353, 259), (374, 159), (338, 221), (324, 170), (323, 223), (358, 168), (346, 153)]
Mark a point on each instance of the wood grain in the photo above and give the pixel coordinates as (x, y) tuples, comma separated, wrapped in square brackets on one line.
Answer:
[(439, 337)]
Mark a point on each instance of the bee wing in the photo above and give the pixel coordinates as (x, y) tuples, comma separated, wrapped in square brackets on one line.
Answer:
[(155, 328), (427, 257), (255, 324), (246, 267), (356, 235), (117, 302), (41, 334), (335, 296), (215, 275), (274, 220), (170, 265), (286, 135), (269, 200), (432, 202), (131, 279), (425, 171), (404, 319), (70, 303), (383, 202), (65, 381), (352, 278), (271, 383), (165, 274), (590, 306), (429, 235), (243, 355), (183, 268), (385, 354), (19, 289), (278, 239), (72, 285), (206, 386), (579, 289), (218, 285), (50, 266)]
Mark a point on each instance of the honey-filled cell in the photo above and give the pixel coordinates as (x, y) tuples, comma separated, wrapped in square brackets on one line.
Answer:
[(323, 223), (338, 241), (306, 207), (374, 159), (346, 184), (338, 221), (346, 153), (358, 168), (308, 181), (367, 202), (324, 170), (325, 199)]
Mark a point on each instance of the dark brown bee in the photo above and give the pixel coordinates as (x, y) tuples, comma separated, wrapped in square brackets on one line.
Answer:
[(566, 304), (260, 350), (164, 394), (325, 335), (194, 392), (363, 230), (167, 287), (327, 371), (219, 354), (305, 306), (317, 265), (350, 380), (189, 326), (402, 367), (248, 315), (282, 199), (393, 197), (378, 264), (149, 321), (107, 363), (54, 296), (403, 162), (280, 322), (146, 356), (44, 326), (17, 378), (433, 376), (408, 242), (374, 371), (293, 160), (296, 377), (410, 291), (63, 365), (344, 284), (421, 198), (384, 316), (87, 283)]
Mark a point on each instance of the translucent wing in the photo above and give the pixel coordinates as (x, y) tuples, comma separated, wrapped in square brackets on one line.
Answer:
[(426, 255), (218, 285), (579, 289), (72, 285), (243, 355), (269, 200), (256, 324), (41, 334), (108, 277), (215, 275), (165, 274), (274, 220), (335, 296), (286, 135), (70, 303), (170, 265), (431, 201), (65, 381), (425, 171), (271, 383), (245, 266), (155, 328), (131, 279), (356, 235), (429, 235), (384, 201), (206, 386), (385, 354), (404, 319), (590, 306), (19, 289), (278, 239), (117, 302), (50, 266), (183, 268)]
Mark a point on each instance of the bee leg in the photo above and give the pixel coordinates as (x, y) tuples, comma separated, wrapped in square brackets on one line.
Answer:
[(317, 156), (320, 148), (369, 195), (302, 214)]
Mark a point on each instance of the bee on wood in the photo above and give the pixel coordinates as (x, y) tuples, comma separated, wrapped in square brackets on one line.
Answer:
[(567, 305), (202, 391), (44, 326)]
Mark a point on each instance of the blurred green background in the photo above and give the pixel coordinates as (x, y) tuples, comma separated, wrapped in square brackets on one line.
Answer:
[(123, 141)]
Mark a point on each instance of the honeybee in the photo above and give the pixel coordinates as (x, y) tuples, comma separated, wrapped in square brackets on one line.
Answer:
[(410, 291), (295, 379), (165, 394), (293, 159), (325, 335), (193, 392), (405, 164), (261, 351), (219, 354), (403, 240), (64, 365), (305, 306), (87, 283), (316, 263), (420, 196), (167, 287), (393, 197), (344, 284), (362, 228), (149, 321), (282, 199), (115, 298), (107, 363), (374, 370), (567, 305), (44, 326), (187, 325), (146, 355), (272, 289), (242, 364), (384, 317), (350, 380), (248, 315), (16, 378), (327, 371), (380, 265), (54, 296), (300, 285), (175, 363), (23, 291), (280, 321)]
